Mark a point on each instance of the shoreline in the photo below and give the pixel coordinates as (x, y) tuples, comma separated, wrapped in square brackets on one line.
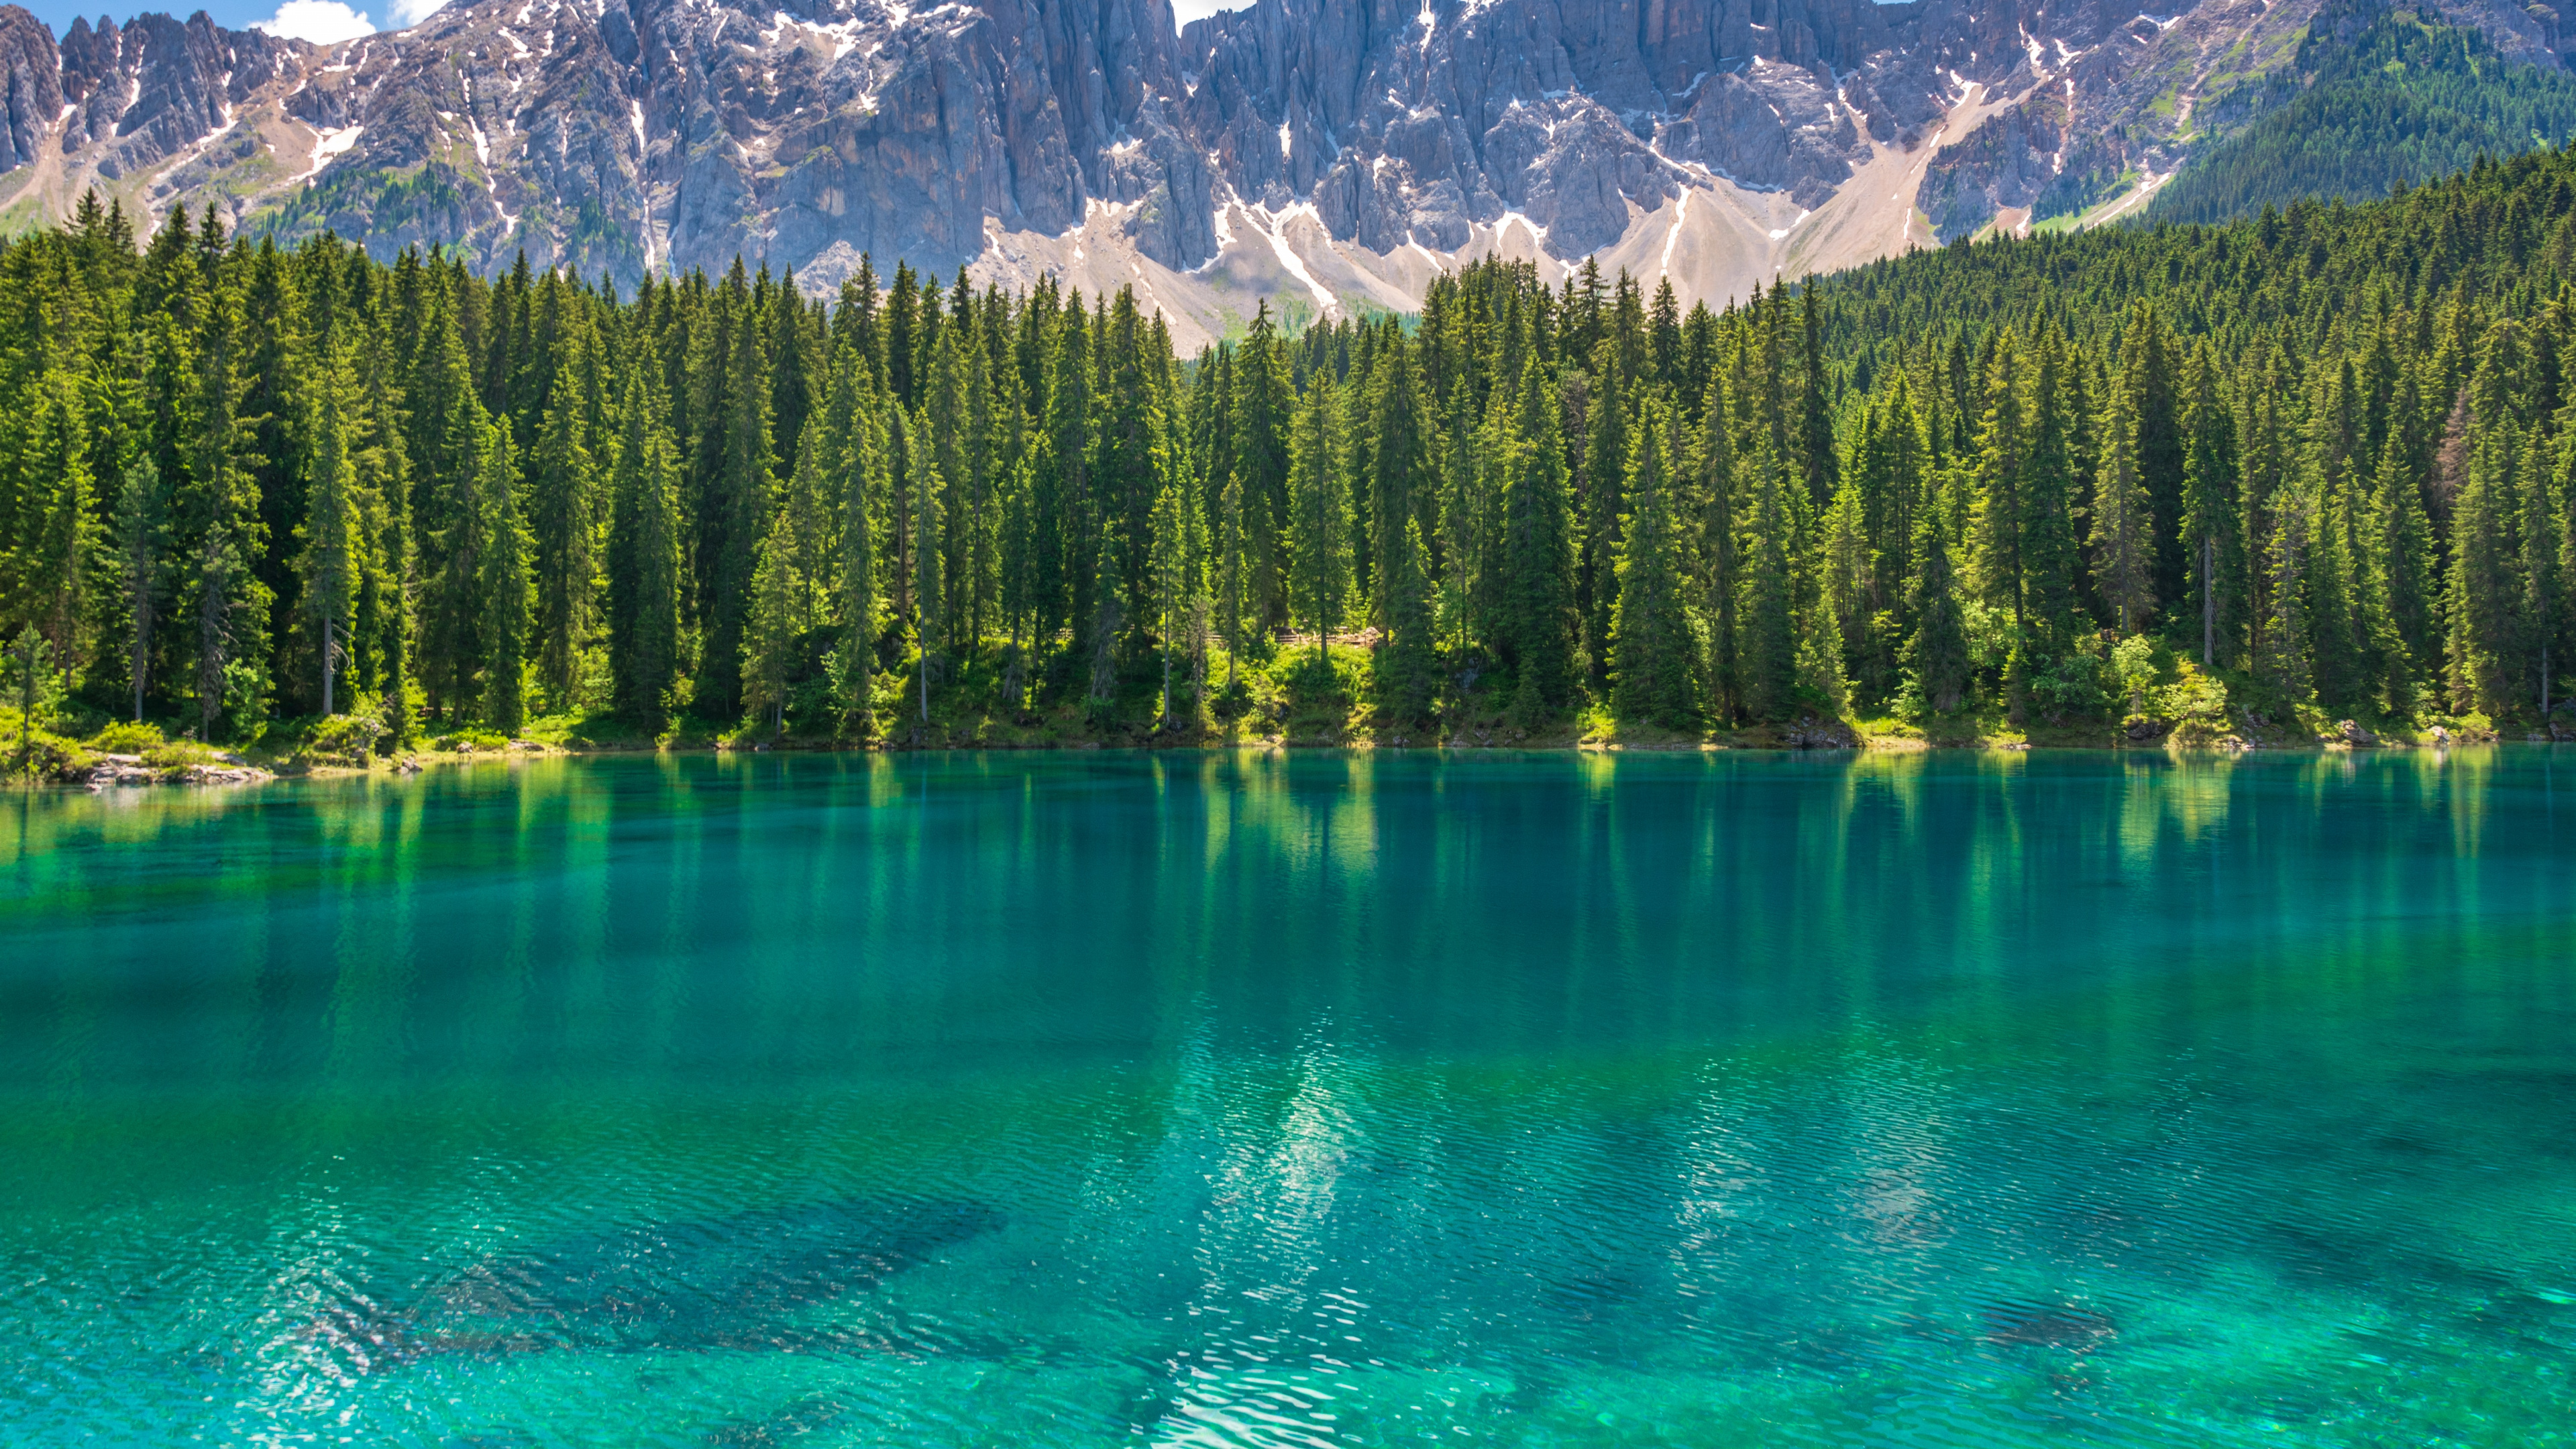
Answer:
[(247, 772)]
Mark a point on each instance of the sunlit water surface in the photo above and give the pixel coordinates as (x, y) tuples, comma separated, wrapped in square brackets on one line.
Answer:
[(1117, 1099)]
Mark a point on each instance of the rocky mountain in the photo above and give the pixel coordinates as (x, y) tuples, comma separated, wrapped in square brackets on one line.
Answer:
[(1328, 154)]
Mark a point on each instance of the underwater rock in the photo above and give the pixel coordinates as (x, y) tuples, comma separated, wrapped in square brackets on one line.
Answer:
[(734, 1282), (2046, 1325)]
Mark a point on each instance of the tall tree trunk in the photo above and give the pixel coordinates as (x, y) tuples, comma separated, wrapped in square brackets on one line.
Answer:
[(2208, 605)]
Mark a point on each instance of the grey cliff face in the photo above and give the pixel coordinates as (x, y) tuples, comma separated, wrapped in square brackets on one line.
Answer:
[(622, 137)]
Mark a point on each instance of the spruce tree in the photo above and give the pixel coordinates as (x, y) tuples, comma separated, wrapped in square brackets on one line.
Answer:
[(1656, 658), (1847, 567), (2485, 592), (47, 557), (771, 632), (734, 503), (644, 559), (1721, 574), (2048, 494), (927, 492), (1606, 458), (858, 413), (1769, 643), (1538, 557), (2286, 659), (224, 537), (330, 560), (2402, 560), (2212, 515), (563, 490), (504, 629), (1937, 653), (2124, 544), (2545, 601), (1319, 518), (1404, 465), (2001, 506), (1061, 480), (1408, 664), (2161, 448), (139, 534)]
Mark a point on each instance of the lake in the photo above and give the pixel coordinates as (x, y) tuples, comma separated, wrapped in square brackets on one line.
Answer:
[(1091, 1099)]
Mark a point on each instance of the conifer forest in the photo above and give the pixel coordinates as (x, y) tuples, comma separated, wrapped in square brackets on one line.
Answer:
[(2195, 479)]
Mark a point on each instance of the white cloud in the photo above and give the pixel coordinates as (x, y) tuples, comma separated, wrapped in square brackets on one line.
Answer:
[(413, 12), (323, 22)]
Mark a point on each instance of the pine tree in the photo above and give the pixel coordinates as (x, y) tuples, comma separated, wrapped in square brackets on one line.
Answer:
[(330, 562), (1538, 556), (220, 523), (1462, 527), (2485, 593), (1408, 665), (1132, 460), (1319, 518), (1061, 481), (2161, 448), (1937, 653), (563, 522), (857, 411), (2212, 515), (2048, 493), (771, 632), (504, 627), (1845, 566), (644, 552), (51, 538), (734, 502), (2124, 544), (2001, 508), (1263, 403), (1769, 643), (1606, 458), (926, 492), (2263, 481), (139, 533), (2402, 561), (1815, 444), (1721, 583), (2542, 532), (1404, 471), (1179, 592), (2286, 659), (1656, 657)]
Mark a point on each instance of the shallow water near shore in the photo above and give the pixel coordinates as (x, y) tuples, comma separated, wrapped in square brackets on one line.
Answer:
[(1318, 1099)]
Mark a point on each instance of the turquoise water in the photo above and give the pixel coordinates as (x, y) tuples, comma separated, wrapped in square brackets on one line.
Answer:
[(1098, 1099)]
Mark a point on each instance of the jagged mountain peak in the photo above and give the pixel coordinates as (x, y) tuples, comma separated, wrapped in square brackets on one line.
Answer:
[(1327, 154)]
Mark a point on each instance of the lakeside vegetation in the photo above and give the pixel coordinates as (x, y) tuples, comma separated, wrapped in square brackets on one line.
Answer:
[(2133, 484)]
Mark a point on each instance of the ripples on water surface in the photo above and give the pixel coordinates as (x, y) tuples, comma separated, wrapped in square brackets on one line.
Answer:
[(1076, 1100)]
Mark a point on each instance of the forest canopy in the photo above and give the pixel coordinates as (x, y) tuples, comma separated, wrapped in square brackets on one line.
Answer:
[(2376, 97), (2311, 464)]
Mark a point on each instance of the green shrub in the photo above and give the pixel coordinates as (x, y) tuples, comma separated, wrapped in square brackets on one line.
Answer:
[(42, 756), (126, 737), (343, 739), (2195, 702), (180, 754), (2069, 686)]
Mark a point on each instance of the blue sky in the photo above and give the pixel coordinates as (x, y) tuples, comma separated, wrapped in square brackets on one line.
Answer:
[(313, 19)]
